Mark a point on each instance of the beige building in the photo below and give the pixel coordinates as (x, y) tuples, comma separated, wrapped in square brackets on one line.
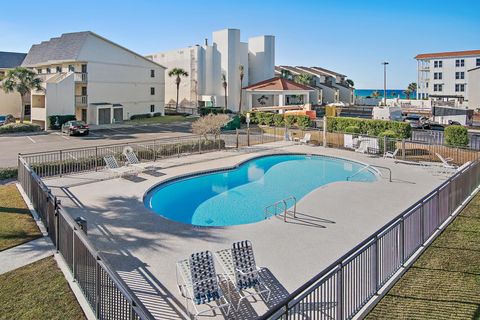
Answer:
[(98, 81), (11, 103), (474, 85)]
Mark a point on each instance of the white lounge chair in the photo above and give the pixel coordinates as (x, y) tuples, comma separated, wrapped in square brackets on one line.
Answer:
[(112, 165), (197, 281), (348, 141), (362, 147), (241, 270), (445, 167), (132, 160), (306, 138), (390, 154)]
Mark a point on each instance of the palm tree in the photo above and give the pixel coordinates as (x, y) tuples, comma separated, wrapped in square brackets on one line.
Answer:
[(23, 81), (177, 73), (304, 78), (375, 94), (242, 74), (350, 82), (393, 93), (224, 85), (286, 74), (407, 92), (412, 87)]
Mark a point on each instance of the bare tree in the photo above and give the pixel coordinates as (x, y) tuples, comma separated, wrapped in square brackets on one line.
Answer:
[(210, 124)]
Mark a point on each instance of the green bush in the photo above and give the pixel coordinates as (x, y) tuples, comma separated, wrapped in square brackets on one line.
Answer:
[(259, 117), (290, 120), (141, 116), (157, 114), (8, 173), (456, 136), (215, 110), (19, 127), (303, 122), (388, 134), (352, 129), (368, 126), (55, 122), (268, 118), (278, 120)]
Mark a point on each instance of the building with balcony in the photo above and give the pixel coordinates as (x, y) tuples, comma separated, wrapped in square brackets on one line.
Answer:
[(444, 76), (11, 103), (98, 81), (206, 64), (331, 85)]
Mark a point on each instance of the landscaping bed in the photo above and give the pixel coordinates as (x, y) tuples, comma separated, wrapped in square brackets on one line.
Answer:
[(444, 283), (37, 291), (19, 127), (16, 224), (160, 119)]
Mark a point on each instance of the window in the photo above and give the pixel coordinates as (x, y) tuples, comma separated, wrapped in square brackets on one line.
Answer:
[(71, 68), (152, 108), (152, 73), (49, 71), (437, 76), (435, 64), (39, 71), (438, 87), (460, 75), (478, 62), (152, 91), (459, 63), (460, 87), (440, 64), (58, 69)]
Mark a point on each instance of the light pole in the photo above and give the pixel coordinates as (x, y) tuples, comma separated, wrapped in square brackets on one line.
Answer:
[(385, 83)]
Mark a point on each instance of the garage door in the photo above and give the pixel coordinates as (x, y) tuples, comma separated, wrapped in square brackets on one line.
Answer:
[(104, 116), (118, 114)]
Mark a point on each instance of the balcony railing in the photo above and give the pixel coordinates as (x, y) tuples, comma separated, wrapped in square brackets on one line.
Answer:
[(81, 77), (81, 101)]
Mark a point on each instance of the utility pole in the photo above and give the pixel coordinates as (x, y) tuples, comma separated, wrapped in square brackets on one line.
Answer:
[(385, 83)]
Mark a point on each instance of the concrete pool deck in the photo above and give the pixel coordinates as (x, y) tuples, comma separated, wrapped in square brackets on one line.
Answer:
[(143, 247)]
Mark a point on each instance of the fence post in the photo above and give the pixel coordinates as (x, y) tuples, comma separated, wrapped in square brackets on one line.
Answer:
[(248, 137), (199, 145), (402, 240), (73, 255), (385, 147), (61, 163), (96, 158), (377, 263), (57, 223), (340, 293), (236, 131), (154, 151), (97, 288), (325, 131), (404, 156)]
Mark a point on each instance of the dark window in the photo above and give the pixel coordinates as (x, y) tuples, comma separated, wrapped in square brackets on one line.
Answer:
[(478, 62), (435, 76), (152, 108), (71, 68), (457, 87), (462, 75), (84, 91), (49, 71), (435, 64), (460, 63), (152, 73), (84, 68), (39, 71), (152, 91), (59, 69), (440, 87), (457, 75), (440, 64)]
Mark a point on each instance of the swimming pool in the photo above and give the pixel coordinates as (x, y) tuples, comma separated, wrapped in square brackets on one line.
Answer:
[(240, 195)]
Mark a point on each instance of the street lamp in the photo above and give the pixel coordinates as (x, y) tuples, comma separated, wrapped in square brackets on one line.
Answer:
[(385, 83)]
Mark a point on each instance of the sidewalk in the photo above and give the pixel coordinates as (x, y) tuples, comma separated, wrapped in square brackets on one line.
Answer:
[(24, 254)]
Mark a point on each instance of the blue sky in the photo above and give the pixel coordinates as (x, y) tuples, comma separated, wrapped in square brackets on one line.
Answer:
[(351, 37)]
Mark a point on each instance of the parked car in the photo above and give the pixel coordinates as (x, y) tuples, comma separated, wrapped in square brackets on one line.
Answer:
[(454, 123), (416, 121), (433, 126), (2, 120), (73, 127)]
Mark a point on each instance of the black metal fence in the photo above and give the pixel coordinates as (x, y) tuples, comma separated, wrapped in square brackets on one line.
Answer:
[(347, 285), (438, 137), (107, 294)]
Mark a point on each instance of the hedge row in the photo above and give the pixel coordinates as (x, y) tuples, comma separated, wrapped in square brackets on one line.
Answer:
[(369, 127), (8, 173), (19, 127), (215, 110), (145, 115), (456, 136), (278, 120)]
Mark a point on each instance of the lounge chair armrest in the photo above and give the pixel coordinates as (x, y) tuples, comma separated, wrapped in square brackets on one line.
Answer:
[(256, 271)]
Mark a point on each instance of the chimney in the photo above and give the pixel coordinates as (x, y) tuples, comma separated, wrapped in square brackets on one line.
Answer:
[(206, 41)]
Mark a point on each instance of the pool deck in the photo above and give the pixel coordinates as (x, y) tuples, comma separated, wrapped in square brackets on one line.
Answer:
[(143, 247)]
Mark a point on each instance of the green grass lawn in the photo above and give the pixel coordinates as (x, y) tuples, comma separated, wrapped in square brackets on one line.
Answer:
[(161, 120), (444, 283), (37, 291), (16, 224)]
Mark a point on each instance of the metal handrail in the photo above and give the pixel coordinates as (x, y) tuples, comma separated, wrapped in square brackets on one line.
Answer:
[(358, 171), (285, 208), (374, 166)]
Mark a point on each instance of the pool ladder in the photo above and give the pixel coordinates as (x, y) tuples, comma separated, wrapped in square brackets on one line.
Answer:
[(284, 205)]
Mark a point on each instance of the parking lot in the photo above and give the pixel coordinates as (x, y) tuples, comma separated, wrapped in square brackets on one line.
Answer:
[(12, 145)]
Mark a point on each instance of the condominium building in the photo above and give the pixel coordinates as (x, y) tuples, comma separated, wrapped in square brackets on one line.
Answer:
[(332, 86), (474, 94), (205, 65), (98, 81), (11, 103), (444, 75)]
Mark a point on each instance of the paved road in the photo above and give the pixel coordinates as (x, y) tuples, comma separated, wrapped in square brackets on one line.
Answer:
[(11, 146)]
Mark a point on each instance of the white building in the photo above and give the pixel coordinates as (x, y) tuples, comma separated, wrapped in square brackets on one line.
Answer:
[(474, 85), (11, 103), (96, 80), (206, 63), (331, 85), (444, 76)]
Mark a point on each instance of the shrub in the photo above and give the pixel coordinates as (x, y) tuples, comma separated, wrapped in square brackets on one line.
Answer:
[(352, 129), (9, 119), (268, 118), (290, 121), (210, 124), (213, 110), (303, 122), (141, 116), (19, 127), (157, 114), (456, 136), (8, 173), (388, 134), (259, 118), (278, 120), (55, 122), (368, 126)]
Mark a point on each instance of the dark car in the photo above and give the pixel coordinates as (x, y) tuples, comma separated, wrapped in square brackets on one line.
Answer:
[(75, 127), (433, 126), (416, 121), (2, 120)]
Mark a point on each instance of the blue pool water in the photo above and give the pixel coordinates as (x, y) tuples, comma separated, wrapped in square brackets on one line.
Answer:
[(240, 195)]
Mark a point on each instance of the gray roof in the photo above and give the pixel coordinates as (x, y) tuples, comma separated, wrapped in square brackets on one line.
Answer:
[(10, 60), (64, 48)]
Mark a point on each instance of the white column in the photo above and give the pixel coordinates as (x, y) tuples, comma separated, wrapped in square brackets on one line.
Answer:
[(281, 99), (307, 98), (249, 100)]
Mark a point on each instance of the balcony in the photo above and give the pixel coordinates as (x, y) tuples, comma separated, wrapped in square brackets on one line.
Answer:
[(80, 77), (81, 101)]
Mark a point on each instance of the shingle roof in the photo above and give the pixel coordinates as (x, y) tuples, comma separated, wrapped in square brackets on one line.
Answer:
[(448, 54), (10, 60), (277, 84), (64, 48)]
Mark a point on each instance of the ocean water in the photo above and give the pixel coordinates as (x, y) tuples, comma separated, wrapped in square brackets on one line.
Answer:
[(391, 93), (240, 195)]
